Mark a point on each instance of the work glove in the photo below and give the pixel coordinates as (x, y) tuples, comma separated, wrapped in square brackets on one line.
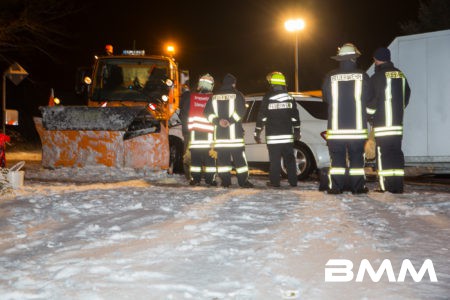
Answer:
[(297, 134), (212, 153), (257, 136)]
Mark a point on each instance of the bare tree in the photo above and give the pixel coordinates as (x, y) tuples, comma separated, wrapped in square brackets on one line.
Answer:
[(433, 15), (32, 26)]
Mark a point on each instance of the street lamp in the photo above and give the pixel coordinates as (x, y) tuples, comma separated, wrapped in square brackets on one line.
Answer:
[(295, 25)]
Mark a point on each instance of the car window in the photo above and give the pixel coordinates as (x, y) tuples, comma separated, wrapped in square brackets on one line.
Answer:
[(318, 110), (252, 111)]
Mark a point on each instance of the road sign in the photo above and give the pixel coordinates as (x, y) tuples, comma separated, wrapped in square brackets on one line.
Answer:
[(16, 73)]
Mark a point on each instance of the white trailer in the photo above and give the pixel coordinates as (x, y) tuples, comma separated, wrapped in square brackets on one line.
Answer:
[(425, 60)]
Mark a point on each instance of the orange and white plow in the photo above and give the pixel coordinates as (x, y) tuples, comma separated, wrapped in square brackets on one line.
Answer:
[(111, 136)]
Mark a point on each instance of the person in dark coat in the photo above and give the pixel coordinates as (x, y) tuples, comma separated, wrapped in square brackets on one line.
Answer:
[(279, 115), (346, 90), (386, 109), (200, 133), (225, 111)]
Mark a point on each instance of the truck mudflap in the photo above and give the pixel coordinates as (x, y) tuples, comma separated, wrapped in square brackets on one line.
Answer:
[(79, 136)]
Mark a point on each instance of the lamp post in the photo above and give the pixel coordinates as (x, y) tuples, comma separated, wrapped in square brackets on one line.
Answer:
[(295, 25)]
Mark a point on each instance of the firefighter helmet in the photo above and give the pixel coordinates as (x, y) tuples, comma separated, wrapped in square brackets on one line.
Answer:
[(346, 52), (206, 83), (276, 78)]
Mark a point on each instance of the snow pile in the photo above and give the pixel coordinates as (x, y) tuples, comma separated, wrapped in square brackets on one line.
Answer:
[(114, 234)]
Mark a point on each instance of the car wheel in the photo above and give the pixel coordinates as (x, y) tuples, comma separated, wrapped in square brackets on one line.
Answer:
[(304, 162), (176, 155)]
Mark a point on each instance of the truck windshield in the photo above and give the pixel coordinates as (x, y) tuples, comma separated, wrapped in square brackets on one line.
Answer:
[(130, 79)]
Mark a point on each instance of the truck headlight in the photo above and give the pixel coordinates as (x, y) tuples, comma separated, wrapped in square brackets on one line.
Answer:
[(169, 82)]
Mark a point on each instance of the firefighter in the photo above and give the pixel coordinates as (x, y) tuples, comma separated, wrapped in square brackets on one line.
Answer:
[(200, 132), (279, 115), (391, 96), (346, 90), (225, 110)]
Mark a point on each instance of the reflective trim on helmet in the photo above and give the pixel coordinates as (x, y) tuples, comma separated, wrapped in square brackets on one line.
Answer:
[(276, 78)]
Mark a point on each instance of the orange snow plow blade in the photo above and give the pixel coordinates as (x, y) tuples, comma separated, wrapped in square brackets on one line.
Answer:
[(113, 137)]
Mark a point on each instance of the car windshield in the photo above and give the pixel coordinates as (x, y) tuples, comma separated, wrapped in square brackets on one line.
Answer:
[(130, 79)]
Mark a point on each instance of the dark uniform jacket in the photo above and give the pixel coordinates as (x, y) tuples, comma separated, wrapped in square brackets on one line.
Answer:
[(279, 114), (389, 101), (347, 90), (227, 103)]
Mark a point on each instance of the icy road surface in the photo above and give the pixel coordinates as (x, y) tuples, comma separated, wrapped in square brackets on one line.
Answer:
[(106, 235)]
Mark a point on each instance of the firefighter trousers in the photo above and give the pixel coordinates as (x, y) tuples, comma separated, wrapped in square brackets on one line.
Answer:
[(345, 176), (390, 163), (225, 156), (202, 161), (285, 151)]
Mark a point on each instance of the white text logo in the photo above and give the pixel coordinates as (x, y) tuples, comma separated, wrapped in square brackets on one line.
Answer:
[(340, 270)]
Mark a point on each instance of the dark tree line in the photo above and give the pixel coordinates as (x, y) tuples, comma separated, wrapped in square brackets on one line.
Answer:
[(433, 15), (32, 27)]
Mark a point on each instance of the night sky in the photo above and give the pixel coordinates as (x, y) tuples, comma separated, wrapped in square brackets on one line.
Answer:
[(246, 37)]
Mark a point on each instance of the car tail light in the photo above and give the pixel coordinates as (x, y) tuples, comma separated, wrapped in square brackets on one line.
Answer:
[(323, 134)]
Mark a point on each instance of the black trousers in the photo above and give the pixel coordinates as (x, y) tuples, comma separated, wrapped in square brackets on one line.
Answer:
[(226, 158), (276, 151), (201, 160), (343, 175), (390, 163)]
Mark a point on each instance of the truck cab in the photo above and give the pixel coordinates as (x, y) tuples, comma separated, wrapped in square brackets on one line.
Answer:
[(135, 79)]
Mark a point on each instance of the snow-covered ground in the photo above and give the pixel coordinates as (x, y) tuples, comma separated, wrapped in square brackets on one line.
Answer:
[(101, 233)]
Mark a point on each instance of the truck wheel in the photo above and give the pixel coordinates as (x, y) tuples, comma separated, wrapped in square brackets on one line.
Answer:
[(304, 162)]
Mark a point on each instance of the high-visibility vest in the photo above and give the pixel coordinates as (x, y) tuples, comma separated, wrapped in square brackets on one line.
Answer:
[(196, 119), (200, 129)]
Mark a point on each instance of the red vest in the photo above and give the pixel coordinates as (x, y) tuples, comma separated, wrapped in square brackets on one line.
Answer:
[(197, 120)]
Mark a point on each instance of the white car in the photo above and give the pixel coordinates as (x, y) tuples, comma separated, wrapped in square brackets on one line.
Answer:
[(311, 151)]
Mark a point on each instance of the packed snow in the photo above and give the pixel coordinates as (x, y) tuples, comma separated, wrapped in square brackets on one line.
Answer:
[(102, 233)]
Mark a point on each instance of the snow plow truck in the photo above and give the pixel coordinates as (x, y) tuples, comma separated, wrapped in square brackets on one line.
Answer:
[(131, 97)]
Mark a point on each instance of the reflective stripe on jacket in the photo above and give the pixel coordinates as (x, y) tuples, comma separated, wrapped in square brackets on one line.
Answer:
[(346, 90), (228, 104), (279, 115), (391, 97)]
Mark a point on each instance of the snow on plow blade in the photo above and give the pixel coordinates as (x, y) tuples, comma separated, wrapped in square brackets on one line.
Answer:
[(78, 136)]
